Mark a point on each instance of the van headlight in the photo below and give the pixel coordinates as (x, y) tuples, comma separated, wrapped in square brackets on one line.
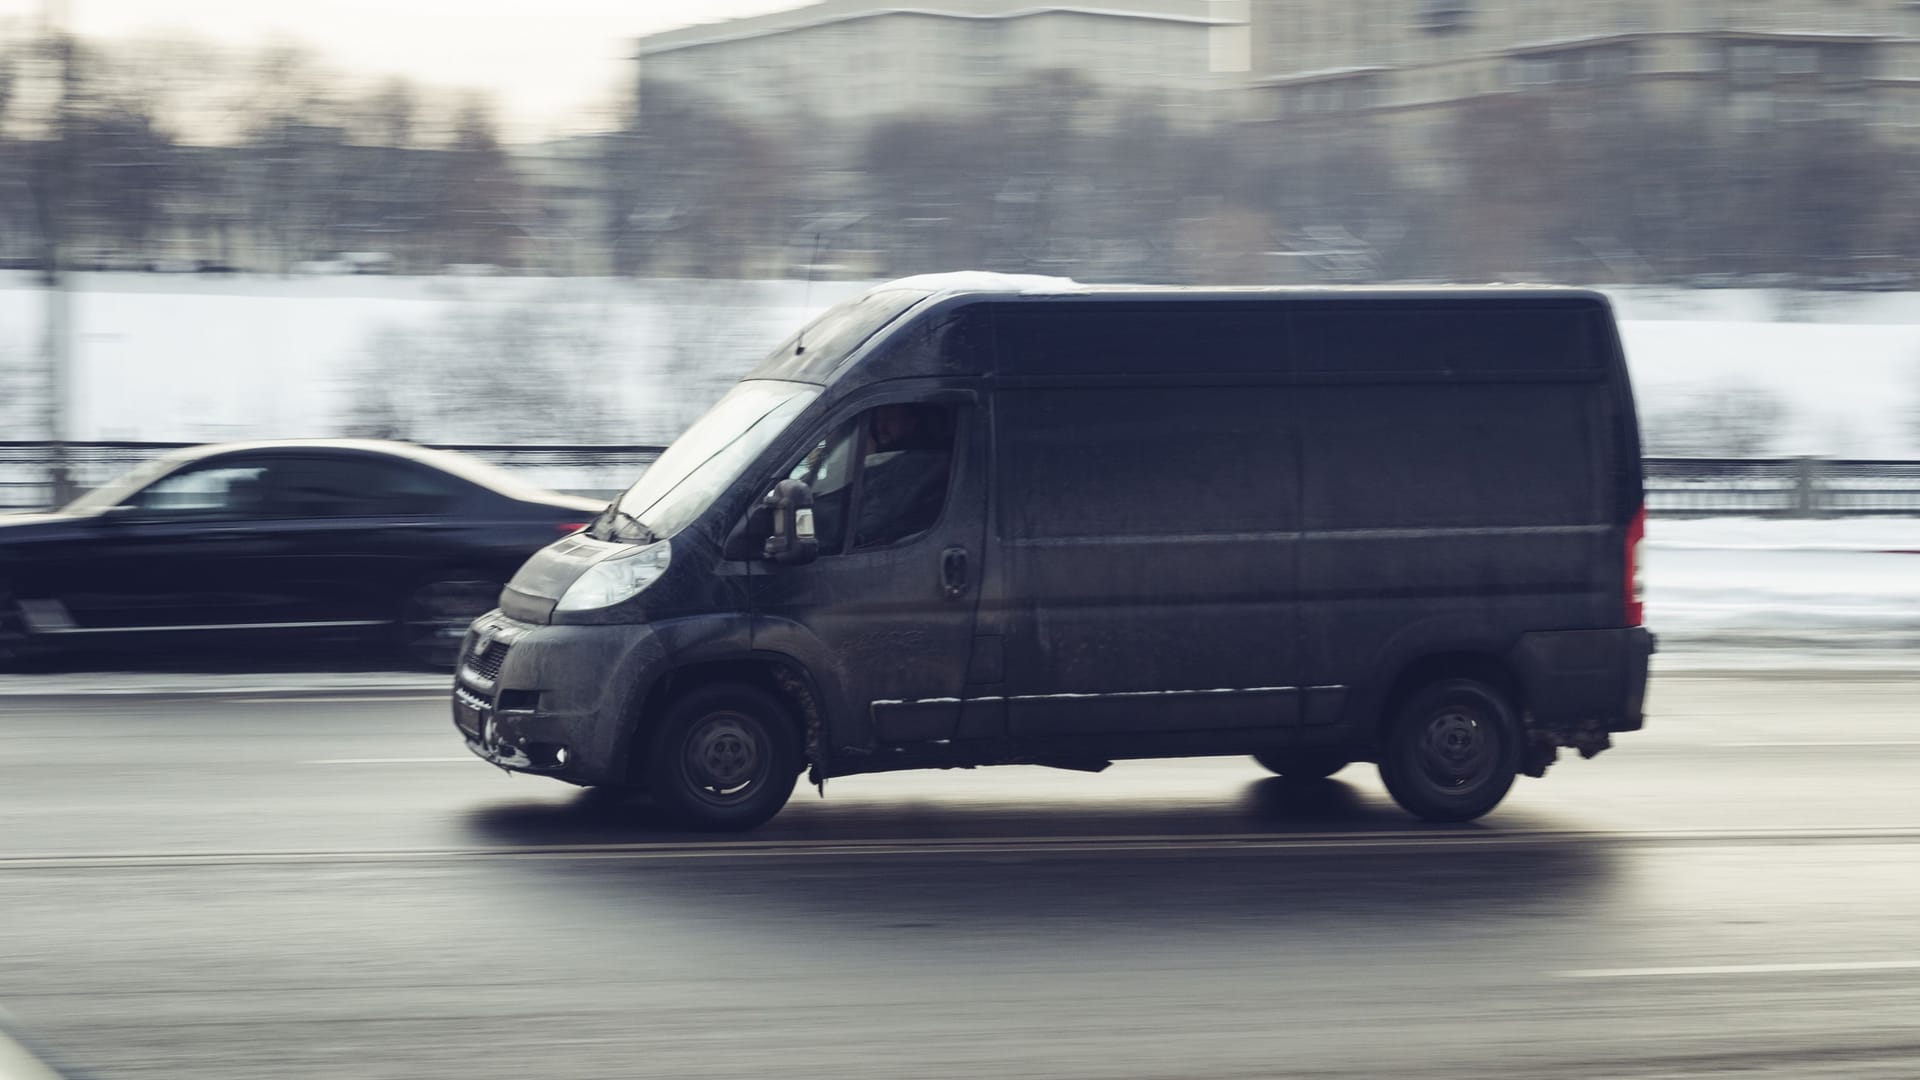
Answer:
[(611, 581)]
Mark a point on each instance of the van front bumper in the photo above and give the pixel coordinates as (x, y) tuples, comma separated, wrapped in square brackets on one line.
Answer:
[(1585, 681), (552, 700)]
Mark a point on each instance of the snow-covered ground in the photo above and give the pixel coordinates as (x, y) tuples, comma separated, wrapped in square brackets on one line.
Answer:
[(184, 357), (1755, 587)]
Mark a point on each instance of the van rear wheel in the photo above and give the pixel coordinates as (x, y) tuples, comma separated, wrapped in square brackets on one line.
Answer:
[(724, 758), (1303, 764), (1452, 751)]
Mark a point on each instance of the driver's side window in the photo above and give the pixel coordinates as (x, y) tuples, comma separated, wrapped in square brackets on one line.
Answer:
[(881, 476), (827, 470)]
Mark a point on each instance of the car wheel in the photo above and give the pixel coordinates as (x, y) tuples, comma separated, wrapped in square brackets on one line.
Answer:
[(436, 614), (1303, 764), (13, 628), (1452, 751), (724, 758)]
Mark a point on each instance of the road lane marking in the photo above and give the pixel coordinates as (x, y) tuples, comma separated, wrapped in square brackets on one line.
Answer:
[(321, 700), (1851, 743), (1835, 967), (1398, 842), (387, 760)]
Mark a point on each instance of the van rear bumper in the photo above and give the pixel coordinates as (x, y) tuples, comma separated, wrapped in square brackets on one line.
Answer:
[(1585, 680)]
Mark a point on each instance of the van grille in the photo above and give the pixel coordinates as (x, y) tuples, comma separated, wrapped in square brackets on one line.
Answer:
[(487, 665)]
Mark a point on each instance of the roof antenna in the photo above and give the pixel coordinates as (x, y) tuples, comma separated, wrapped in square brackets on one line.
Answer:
[(806, 297)]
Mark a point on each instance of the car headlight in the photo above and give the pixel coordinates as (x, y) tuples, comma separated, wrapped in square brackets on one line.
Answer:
[(622, 577)]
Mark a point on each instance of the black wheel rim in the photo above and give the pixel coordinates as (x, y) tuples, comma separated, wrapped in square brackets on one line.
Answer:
[(725, 758), (1457, 750), (438, 615)]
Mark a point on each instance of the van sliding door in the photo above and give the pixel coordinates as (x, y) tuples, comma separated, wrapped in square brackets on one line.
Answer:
[(1148, 543)]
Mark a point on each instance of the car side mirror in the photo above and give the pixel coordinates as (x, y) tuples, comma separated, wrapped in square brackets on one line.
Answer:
[(790, 539), (114, 515)]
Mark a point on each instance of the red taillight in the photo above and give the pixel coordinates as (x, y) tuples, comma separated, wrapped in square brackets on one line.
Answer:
[(1636, 589), (569, 528)]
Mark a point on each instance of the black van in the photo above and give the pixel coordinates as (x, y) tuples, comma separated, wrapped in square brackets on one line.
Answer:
[(971, 520)]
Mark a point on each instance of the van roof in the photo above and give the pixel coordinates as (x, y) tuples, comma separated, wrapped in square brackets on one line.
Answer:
[(987, 285)]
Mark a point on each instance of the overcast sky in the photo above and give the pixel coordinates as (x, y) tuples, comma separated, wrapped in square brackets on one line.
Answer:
[(549, 63)]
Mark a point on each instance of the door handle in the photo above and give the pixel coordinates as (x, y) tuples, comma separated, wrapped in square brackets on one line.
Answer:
[(953, 572)]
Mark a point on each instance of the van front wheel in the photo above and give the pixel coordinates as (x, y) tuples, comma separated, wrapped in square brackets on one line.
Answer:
[(724, 758), (1452, 751)]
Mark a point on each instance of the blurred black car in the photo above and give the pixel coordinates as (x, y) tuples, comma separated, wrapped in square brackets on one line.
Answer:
[(313, 537)]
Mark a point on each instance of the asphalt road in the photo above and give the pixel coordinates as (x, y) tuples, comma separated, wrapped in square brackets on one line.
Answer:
[(282, 886)]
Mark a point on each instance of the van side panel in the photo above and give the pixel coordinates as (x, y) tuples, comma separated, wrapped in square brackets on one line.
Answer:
[(1460, 489), (1146, 521), (1148, 540)]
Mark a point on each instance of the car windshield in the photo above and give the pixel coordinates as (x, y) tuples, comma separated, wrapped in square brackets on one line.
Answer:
[(704, 461)]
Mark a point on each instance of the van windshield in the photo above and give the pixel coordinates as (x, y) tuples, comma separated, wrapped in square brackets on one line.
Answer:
[(704, 461)]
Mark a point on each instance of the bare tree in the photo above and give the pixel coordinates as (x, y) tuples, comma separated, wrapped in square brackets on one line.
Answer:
[(1732, 419), (930, 186), (709, 339), (17, 393), (703, 192), (525, 372), (481, 210), (1913, 409)]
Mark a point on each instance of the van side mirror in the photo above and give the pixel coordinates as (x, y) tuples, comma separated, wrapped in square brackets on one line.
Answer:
[(791, 541)]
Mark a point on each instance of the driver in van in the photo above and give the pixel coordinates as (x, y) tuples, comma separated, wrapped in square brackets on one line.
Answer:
[(908, 453)]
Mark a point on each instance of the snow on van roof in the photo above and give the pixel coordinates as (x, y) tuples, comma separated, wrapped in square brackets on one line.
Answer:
[(985, 281), (1042, 285)]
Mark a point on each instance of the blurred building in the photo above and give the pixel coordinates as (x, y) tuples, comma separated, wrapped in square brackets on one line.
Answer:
[(569, 189), (1413, 65), (860, 60)]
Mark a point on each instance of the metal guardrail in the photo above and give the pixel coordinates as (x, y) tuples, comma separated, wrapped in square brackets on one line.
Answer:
[(1676, 487), (1801, 487)]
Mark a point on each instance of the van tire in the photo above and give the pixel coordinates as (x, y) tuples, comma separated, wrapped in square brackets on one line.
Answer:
[(1303, 764), (1452, 751), (724, 758)]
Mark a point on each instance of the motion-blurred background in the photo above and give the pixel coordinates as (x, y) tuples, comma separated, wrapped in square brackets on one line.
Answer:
[(347, 218), (550, 231)]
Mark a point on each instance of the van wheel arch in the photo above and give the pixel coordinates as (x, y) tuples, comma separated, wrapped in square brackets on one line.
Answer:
[(1439, 667), (783, 678)]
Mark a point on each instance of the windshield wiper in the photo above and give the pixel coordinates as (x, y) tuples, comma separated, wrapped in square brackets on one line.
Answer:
[(624, 526)]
